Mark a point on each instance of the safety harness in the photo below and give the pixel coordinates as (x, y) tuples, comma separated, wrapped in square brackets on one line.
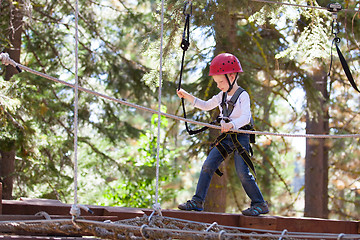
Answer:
[(227, 109)]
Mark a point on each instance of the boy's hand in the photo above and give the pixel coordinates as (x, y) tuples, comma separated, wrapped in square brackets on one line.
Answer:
[(184, 94), (225, 127)]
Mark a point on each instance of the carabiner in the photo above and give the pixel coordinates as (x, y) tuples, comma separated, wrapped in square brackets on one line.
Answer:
[(188, 4)]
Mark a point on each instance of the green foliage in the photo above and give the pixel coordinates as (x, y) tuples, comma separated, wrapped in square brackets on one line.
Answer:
[(119, 55), (136, 187), (10, 129)]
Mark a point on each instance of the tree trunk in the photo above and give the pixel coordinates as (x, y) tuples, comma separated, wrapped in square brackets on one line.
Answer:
[(15, 31), (316, 159), (357, 203), (1, 198), (265, 181), (7, 159), (215, 200), (225, 42), (7, 167)]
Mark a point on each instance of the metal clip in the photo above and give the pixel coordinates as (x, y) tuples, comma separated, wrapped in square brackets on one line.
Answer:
[(188, 4), (334, 7)]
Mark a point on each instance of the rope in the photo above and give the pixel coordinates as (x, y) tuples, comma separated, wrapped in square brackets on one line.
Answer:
[(156, 206), (340, 236), (221, 233), (118, 230), (177, 117), (211, 226), (6, 60), (142, 231), (302, 6), (284, 232), (76, 109)]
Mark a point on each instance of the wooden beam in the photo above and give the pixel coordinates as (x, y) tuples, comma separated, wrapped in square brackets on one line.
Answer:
[(0, 198), (265, 222)]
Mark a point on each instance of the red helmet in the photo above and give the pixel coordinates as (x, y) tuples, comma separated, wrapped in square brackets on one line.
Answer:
[(224, 63)]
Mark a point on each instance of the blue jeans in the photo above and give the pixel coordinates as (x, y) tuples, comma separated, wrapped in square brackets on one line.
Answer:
[(214, 160)]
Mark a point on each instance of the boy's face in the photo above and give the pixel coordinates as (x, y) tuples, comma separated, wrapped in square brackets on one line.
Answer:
[(221, 81)]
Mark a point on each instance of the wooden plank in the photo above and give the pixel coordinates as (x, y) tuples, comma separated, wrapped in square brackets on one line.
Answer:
[(34, 217), (226, 219), (314, 225), (29, 207), (123, 213), (317, 225), (19, 217), (0, 198), (50, 206), (260, 222), (56, 208), (20, 237)]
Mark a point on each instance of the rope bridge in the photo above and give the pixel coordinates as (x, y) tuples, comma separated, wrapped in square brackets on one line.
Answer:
[(147, 227), (158, 227)]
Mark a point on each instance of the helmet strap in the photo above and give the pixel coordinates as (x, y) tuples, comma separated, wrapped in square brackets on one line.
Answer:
[(231, 85)]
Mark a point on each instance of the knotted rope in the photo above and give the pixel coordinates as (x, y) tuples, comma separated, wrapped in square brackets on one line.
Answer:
[(75, 211)]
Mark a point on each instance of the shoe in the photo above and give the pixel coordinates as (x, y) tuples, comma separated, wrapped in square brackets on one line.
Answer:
[(257, 209), (191, 205)]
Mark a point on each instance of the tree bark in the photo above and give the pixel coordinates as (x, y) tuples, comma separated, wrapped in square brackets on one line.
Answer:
[(316, 159), (215, 200), (225, 36), (7, 167), (1, 198), (15, 31)]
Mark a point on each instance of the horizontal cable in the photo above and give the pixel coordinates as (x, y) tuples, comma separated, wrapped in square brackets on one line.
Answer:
[(181, 118), (302, 6)]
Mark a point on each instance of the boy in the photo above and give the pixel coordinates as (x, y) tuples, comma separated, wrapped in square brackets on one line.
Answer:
[(224, 69)]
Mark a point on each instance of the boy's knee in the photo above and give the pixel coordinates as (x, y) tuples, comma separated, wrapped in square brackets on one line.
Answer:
[(246, 177), (208, 168)]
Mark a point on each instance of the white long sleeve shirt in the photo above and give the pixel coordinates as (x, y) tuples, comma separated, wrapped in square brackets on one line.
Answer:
[(241, 114)]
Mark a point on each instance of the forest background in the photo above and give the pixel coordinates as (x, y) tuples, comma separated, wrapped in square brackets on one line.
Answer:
[(284, 51)]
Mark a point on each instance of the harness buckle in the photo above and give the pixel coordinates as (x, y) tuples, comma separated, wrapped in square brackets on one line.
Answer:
[(242, 151), (225, 119)]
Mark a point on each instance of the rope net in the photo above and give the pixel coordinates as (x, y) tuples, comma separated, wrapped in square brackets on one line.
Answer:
[(158, 227)]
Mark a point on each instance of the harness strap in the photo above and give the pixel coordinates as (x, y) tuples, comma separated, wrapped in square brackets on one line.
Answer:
[(221, 149), (345, 67), (227, 109), (335, 8), (228, 106), (244, 154), (241, 150)]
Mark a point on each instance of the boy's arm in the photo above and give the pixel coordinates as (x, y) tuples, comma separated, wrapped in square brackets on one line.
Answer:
[(198, 103)]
